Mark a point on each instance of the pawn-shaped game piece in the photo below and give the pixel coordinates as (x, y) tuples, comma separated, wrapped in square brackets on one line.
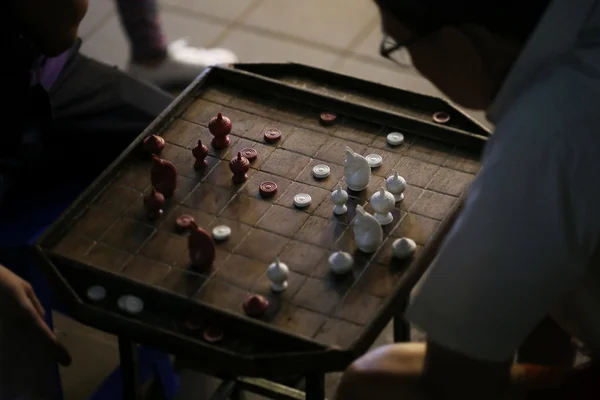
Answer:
[(404, 248), (201, 248), (239, 166), (154, 203), (340, 262), (200, 152), (256, 305), (339, 197), (278, 274), (163, 176), (396, 185), (383, 203), (220, 127), (154, 144)]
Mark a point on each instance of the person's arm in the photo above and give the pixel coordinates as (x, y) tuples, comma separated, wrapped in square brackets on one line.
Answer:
[(51, 24), (526, 237)]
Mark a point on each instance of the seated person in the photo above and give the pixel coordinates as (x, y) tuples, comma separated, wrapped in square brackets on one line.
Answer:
[(66, 118), (527, 241)]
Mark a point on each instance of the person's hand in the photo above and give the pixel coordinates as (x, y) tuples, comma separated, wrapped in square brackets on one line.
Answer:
[(19, 304)]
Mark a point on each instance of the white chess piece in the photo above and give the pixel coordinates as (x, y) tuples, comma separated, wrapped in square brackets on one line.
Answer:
[(396, 185), (278, 274), (368, 233), (339, 197), (383, 203), (404, 248), (357, 171), (340, 262)]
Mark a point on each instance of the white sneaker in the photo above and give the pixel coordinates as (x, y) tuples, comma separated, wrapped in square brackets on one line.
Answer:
[(182, 65)]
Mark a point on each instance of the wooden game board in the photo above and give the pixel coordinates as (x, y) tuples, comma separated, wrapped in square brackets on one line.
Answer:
[(105, 238)]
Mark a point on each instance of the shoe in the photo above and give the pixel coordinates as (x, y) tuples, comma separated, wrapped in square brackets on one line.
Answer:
[(182, 65)]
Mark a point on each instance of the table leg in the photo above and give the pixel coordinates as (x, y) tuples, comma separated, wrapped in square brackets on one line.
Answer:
[(401, 325), (315, 387), (129, 368)]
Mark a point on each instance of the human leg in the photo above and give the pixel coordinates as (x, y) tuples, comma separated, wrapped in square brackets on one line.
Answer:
[(154, 60)]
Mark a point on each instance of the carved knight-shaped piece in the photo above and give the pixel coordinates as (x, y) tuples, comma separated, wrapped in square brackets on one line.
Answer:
[(368, 233), (357, 172)]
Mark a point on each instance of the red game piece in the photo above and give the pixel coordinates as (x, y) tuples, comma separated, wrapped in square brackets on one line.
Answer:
[(250, 154), (256, 305), (267, 189), (163, 176), (193, 322), (183, 221), (272, 135), (328, 118), (441, 117), (239, 166), (200, 152), (154, 144), (154, 203), (220, 127), (201, 247), (213, 334)]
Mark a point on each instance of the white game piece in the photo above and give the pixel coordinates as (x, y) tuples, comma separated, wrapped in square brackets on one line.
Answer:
[(221, 232), (302, 200), (368, 233), (121, 302), (278, 274), (396, 185), (321, 171), (339, 197), (96, 293), (383, 203), (374, 160), (357, 172), (404, 248), (340, 262), (133, 305), (395, 138)]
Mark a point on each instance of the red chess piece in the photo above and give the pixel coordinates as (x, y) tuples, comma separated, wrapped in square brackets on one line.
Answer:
[(154, 203), (240, 167), (163, 176), (220, 127), (201, 247), (200, 152)]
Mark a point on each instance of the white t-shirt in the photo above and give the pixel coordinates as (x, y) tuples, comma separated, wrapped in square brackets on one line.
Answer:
[(527, 242)]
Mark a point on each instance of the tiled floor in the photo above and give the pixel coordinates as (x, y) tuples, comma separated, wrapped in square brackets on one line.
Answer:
[(341, 35)]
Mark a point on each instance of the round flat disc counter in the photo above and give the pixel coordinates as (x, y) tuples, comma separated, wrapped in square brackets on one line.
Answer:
[(221, 232), (395, 138), (302, 200), (328, 118), (96, 293), (267, 189), (272, 135), (184, 222), (131, 304), (374, 160), (250, 154), (321, 171)]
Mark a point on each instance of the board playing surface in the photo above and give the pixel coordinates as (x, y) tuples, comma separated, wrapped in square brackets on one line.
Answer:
[(113, 233)]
